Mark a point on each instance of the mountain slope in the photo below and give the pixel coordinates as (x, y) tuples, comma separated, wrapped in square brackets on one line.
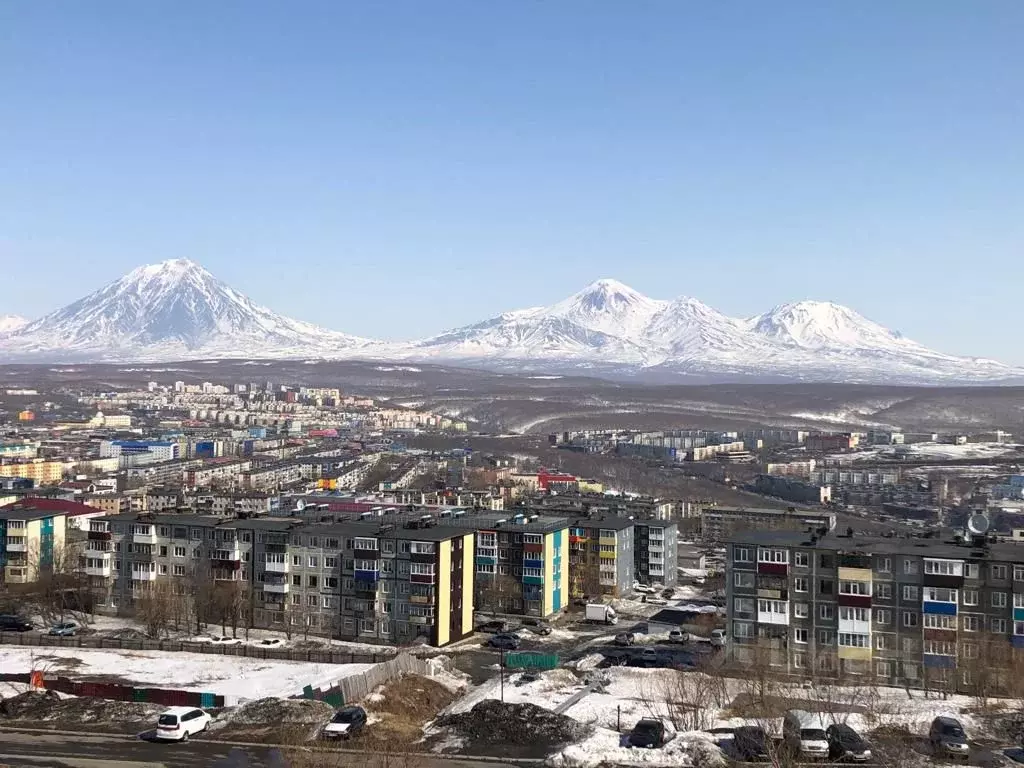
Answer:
[(172, 309), (11, 323)]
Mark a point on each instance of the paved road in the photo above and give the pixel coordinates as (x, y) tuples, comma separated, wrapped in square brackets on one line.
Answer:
[(67, 750)]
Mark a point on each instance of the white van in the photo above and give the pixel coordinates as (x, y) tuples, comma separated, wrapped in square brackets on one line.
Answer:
[(804, 734), (178, 723)]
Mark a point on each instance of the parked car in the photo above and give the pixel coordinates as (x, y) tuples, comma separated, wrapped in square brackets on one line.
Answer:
[(537, 626), (504, 642), (804, 734), (271, 642), (718, 637), (751, 742), (493, 627), (648, 733), (625, 638), (844, 743), (225, 640), (178, 723), (14, 624), (653, 599), (668, 593), (346, 722), (678, 636), (64, 629), (648, 655), (700, 581), (527, 677), (947, 737), (643, 588)]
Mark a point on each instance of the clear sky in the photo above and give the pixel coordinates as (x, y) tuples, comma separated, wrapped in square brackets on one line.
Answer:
[(395, 168)]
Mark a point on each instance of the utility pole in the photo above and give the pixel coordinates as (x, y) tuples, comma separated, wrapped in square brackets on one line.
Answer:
[(502, 674)]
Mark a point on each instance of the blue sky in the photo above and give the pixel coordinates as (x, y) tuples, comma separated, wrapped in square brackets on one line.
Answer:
[(394, 169)]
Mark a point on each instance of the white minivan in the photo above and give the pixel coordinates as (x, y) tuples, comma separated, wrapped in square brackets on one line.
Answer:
[(178, 723), (804, 734)]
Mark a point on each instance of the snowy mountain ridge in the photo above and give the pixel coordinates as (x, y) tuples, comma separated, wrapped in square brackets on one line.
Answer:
[(177, 310)]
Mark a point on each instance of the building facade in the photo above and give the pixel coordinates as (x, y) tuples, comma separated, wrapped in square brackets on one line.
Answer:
[(601, 558), (31, 542)]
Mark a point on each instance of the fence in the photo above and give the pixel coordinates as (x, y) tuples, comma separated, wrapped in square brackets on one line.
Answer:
[(250, 651), (358, 686), (164, 696)]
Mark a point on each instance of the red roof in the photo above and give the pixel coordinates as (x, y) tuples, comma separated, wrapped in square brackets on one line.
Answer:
[(69, 508)]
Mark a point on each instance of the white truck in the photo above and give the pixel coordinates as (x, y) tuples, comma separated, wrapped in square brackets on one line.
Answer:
[(602, 613)]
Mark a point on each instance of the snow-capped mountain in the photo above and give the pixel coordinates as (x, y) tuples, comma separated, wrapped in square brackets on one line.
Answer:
[(11, 323), (170, 310), (177, 310)]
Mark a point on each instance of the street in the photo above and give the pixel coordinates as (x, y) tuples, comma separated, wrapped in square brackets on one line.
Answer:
[(74, 750)]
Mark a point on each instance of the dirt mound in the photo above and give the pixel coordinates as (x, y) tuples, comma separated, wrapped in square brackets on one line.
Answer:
[(400, 708), (282, 712), (48, 705), (516, 730)]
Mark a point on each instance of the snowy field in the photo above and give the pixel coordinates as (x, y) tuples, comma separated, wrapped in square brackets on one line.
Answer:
[(930, 452), (234, 677)]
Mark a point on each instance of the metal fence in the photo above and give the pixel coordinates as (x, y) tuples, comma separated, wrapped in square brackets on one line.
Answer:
[(326, 656), (356, 687)]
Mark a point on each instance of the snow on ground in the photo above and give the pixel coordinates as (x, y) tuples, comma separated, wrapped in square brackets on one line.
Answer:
[(608, 747), (236, 677), (930, 451), (548, 692)]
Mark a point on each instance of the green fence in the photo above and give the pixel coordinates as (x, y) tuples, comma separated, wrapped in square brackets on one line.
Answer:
[(527, 660)]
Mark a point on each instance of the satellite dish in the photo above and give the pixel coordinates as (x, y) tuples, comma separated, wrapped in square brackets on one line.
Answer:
[(978, 524)]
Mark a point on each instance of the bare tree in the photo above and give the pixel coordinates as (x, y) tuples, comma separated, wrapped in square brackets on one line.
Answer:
[(494, 592), (154, 607)]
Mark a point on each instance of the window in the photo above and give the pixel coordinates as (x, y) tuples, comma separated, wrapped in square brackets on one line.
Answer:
[(883, 642), (970, 650), (297, 561), (387, 546), (998, 626), (909, 566), (970, 623), (801, 610), (825, 586), (911, 671), (883, 668), (163, 570), (861, 588), (827, 561), (854, 640), (743, 580), (330, 562), (910, 645), (847, 613), (326, 601), (940, 595), (971, 571), (485, 568), (910, 619), (998, 599), (1018, 627), (312, 582), (997, 571), (883, 591), (826, 611), (296, 580), (938, 621), (742, 629), (771, 606), (312, 601), (910, 593), (939, 648), (799, 660), (741, 554), (196, 553), (943, 567), (772, 555), (800, 584), (331, 582), (802, 559), (825, 637), (883, 616), (1018, 573), (970, 597), (800, 635), (1018, 599), (884, 564), (179, 570), (163, 551), (743, 607), (314, 562), (179, 551)]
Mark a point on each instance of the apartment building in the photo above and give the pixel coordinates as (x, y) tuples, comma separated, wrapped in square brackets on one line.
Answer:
[(915, 612), (656, 552), (39, 470), (721, 523), (222, 471), (30, 541), (601, 557)]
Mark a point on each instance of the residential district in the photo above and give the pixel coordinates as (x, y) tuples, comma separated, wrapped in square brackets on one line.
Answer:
[(879, 561)]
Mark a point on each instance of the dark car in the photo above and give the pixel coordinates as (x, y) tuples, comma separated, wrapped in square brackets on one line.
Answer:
[(14, 624), (537, 626), (504, 642), (625, 638), (649, 734), (346, 722), (947, 737), (844, 743), (751, 742), (493, 627)]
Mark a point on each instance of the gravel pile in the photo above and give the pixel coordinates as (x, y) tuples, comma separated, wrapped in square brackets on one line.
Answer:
[(49, 706), (522, 728), (282, 712)]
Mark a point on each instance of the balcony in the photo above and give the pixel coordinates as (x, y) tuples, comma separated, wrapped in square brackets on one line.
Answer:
[(143, 575), (656, 548), (99, 536), (422, 578), (145, 538), (276, 567), (17, 544), (16, 574), (421, 599), (103, 570), (227, 552), (276, 587), (773, 569)]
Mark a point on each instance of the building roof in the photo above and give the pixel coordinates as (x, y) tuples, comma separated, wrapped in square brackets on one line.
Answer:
[(611, 523), (47, 507)]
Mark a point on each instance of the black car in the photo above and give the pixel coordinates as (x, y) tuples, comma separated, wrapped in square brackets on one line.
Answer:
[(947, 737), (14, 624), (844, 743), (493, 627), (346, 722), (504, 642), (537, 626), (751, 742), (649, 734)]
